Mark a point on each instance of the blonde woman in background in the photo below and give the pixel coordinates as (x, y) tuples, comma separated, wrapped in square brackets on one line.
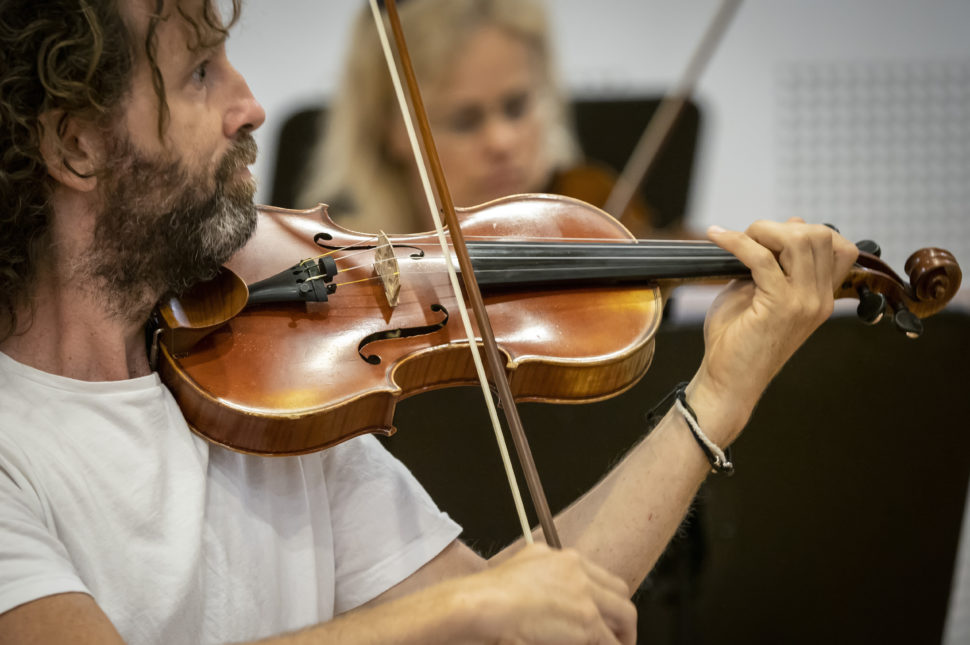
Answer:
[(500, 121)]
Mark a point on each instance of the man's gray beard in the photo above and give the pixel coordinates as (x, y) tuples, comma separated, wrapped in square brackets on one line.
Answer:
[(162, 230)]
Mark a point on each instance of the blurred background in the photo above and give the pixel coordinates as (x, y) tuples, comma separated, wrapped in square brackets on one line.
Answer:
[(843, 522), (855, 113)]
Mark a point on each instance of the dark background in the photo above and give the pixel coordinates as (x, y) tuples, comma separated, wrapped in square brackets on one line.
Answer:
[(840, 525)]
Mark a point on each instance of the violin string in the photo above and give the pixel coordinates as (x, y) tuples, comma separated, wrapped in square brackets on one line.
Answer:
[(569, 242), (353, 253), (653, 250), (565, 258), (500, 239), (484, 271), (545, 239), (612, 240), (348, 247), (367, 279)]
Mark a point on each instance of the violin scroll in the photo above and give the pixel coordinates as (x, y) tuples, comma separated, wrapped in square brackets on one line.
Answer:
[(934, 274), (934, 278)]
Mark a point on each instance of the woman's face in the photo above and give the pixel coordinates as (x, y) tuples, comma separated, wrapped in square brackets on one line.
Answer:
[(485, 119)]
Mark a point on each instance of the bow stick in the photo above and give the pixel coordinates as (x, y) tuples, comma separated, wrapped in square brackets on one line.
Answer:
[(495, 362), (662, 122)]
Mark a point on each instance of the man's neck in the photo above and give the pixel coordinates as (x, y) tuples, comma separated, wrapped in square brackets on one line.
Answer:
[(66, 329), (69, 334)]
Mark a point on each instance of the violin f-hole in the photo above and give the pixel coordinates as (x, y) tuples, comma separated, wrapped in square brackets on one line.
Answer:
[(401, 332)]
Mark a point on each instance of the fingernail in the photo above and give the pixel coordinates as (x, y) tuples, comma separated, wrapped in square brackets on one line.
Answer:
[(714, 228)]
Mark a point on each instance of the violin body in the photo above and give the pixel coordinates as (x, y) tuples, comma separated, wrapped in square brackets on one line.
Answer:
[(295, 377)]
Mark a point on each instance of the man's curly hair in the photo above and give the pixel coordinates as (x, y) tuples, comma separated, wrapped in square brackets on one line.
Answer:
[(76, 57)]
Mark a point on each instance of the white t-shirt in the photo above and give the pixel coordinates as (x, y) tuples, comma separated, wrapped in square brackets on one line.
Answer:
[(104, 490)]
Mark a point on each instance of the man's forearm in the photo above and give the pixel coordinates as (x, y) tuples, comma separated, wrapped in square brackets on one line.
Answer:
[(439, 614), (537, 596), (625, 522)]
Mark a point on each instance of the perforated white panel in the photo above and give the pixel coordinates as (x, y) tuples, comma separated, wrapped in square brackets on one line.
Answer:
[(880, 149)]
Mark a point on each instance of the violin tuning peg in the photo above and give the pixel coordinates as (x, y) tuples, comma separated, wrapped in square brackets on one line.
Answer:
[(907, 322), (871, 307), (870, 247)]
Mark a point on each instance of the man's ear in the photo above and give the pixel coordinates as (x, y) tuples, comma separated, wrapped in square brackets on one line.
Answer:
[(72, 149)]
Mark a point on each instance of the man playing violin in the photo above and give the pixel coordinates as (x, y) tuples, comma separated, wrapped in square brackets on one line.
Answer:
[(126, 135)]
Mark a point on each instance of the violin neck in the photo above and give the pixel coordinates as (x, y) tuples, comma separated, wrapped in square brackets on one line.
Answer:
[(512, 264)]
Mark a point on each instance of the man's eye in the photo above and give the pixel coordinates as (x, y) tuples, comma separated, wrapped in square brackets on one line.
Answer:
[(200, 72)]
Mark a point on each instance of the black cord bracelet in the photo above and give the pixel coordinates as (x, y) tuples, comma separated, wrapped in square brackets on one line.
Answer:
[(720, 460)]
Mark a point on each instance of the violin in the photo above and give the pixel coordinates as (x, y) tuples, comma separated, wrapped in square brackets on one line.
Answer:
[(282, 362)]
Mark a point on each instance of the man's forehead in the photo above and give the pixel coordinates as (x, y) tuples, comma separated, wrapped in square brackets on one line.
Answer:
[(143, 9), (186, 17)]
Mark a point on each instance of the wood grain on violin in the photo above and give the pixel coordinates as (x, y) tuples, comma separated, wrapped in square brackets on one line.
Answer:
[(296, 377)]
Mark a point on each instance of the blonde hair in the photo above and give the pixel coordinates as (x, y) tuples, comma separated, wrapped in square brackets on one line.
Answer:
[(351, 162)]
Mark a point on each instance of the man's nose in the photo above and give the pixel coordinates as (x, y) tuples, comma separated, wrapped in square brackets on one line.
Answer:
[(244, 111)]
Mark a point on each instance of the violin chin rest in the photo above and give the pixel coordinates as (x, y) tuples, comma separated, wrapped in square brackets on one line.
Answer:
[(187, 319)]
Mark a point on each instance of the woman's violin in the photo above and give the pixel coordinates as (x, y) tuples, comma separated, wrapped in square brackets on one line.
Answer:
[(306, 357)]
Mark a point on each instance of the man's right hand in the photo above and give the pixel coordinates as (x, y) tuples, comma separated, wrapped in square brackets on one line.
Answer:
[(541, 596)]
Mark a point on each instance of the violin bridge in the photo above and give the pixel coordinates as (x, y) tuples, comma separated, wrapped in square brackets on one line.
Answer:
[(385, 265)]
